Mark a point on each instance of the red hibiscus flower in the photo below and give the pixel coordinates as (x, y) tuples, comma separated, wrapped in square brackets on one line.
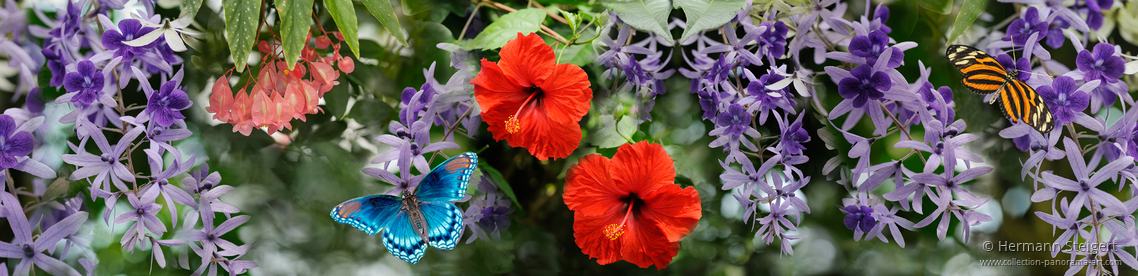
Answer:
[(628, 207), (531, 101)]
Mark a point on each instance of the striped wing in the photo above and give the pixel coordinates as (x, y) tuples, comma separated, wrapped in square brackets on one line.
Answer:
[(984, 75), (1020, 103)]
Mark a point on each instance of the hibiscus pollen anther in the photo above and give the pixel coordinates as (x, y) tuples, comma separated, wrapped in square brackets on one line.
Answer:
[(513, 125), (613, 231)]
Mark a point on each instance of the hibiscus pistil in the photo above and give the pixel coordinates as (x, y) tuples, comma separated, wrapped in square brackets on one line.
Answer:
[(613, 231), (513, 125)]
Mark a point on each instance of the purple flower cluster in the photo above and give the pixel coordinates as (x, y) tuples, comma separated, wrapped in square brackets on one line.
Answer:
[(94, 67), (639, 63), (447, 105)]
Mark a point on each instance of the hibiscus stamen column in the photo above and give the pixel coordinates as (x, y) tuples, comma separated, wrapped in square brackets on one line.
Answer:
[(613, 231), (513, 125)]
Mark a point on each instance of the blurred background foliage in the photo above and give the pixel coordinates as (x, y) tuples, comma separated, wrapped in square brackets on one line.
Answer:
[(289, 187)]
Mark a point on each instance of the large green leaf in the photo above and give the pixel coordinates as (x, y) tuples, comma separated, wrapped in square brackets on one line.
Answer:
[(295, 22), (190, 8), (648, 15), (969, 11), (707, 14), (938, 6), (506, 28), (384, 11), (345, 16), (241, 19)]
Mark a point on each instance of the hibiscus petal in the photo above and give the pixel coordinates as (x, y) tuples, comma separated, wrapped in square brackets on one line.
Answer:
[(527, 60), (566, 97), (675, 211), (642, 167), (646, 244), (589, 188)]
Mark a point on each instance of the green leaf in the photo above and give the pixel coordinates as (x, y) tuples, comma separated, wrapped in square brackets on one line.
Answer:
[(371, 112), (501, 181), (969, 11), (937, 6), (384, 11), (345, 16), (903, 18), (190, 8), (614, 134), (648, 15), (506, 28), (295, 23), (580, 55), (627, 126), (336, 100), (707, 14), (241, 19)]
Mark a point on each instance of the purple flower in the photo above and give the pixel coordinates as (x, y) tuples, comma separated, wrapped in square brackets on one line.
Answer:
[(1022, 28), (772, 42), (1020, 69), (13, 144), (166, 105), (488, 213), (128, 30), (30, 252), (1065, 99), (767, 98), (1102, 64), (859, 217), (210, 237), (865, 85), (871, 46), (1085, 184), (735, 121), (144, 217), (793, 136), (106, 167), (1066, 219), (86, 82)]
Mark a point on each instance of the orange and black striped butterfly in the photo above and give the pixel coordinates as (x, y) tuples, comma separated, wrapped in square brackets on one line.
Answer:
[(984, 75)]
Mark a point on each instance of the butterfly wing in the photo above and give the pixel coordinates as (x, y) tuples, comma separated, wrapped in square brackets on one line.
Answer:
[(447, 182), (1020, 103), (368, 213), (444, 223), (982, 73), (375, 213), (401, 239)]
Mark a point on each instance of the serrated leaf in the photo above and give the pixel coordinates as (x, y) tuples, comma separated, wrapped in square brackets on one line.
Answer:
[(506, 28), (648, 15), (190, 8), (937, 6), (384, 11), (344, 14), (707, 14), (241, 19), (969, 11), (501, 181), (295, 23)]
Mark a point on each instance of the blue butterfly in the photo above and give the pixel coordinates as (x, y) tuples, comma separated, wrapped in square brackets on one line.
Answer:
[(414, 219)]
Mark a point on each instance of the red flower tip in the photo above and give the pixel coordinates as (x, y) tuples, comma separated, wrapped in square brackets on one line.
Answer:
[(628, 207), (526, 105)]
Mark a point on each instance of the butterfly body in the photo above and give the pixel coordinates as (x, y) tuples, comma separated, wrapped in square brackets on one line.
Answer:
[(984, 75), (412, 221)]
